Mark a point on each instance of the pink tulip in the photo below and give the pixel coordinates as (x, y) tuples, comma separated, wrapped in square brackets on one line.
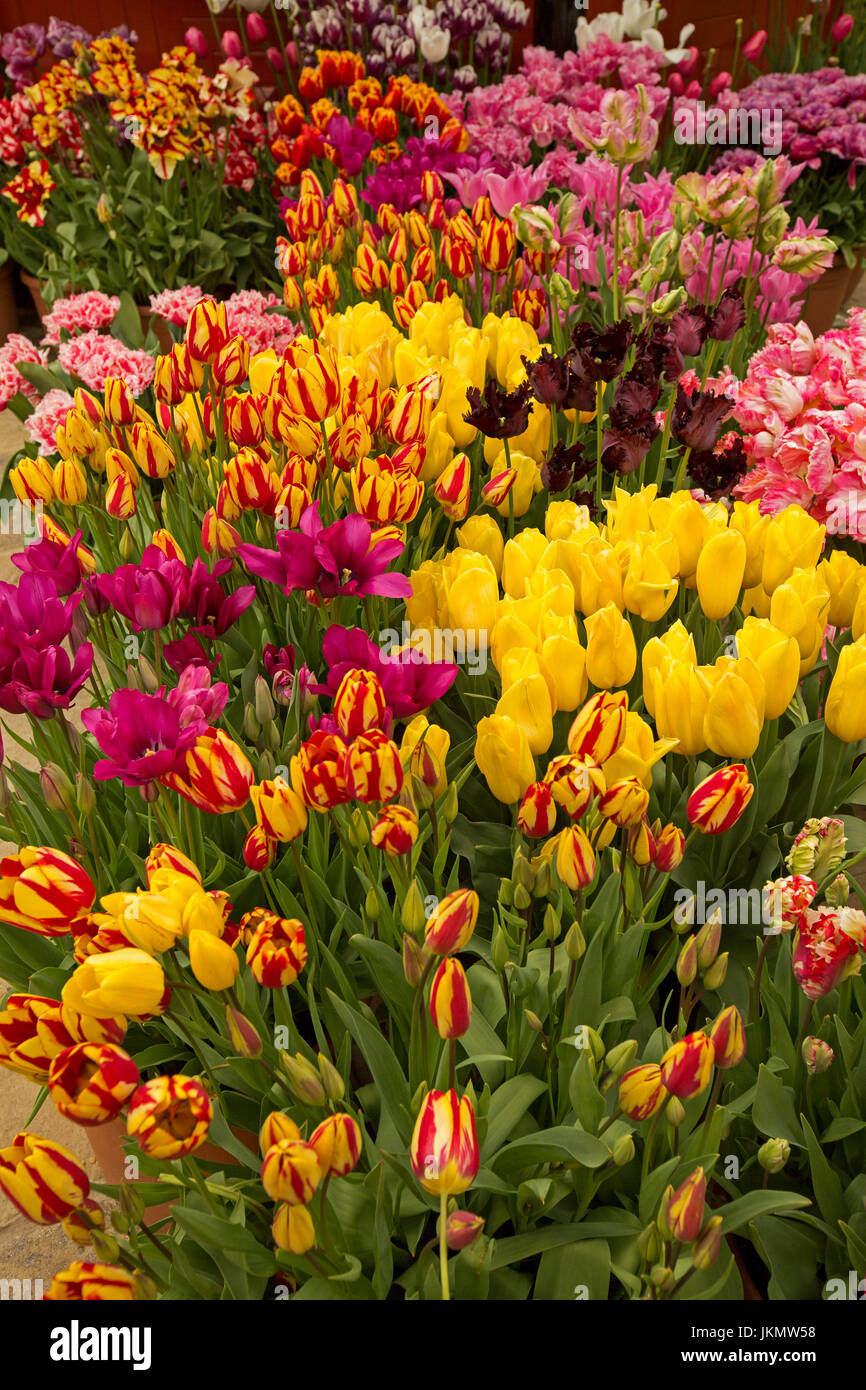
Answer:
[(292, 53), (276, 60), (754, 47), (257, 30), (231, 44), (196, 42), (676, 84), (689, 65), (693, 89), (719, 83), (842, 28)]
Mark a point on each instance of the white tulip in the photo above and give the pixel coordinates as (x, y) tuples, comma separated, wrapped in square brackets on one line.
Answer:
[(434, 44)]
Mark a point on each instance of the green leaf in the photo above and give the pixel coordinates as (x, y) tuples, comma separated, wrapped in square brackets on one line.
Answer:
[(574, 1272), (564, 1144), (825, 1181), (744, 1209), (216, 1234), (773, 1110), (127, 322), (513, 1249), (508, 1104), (388, 1075)]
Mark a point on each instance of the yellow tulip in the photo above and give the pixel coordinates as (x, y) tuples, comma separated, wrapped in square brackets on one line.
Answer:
[(752, 526), (563, 519), (777, 657), (472, 591), (719, 574), (682, 517), (565, 658), (504, 759), (638, 753), (845, 706), (800, 607), (680, 696), (735, 709), (263, 365), (527, 483), (844, 578), (611, 654), (600, 577), (510, 633), (484, 536), (527, 702), (649, 588), (521, 559), (793, 541), (628, 513), (520, 662), (659, 654)]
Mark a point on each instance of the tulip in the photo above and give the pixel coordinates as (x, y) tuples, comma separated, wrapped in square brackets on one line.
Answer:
[(575, 860), (684, 1211), (611, 654), (817, 1055), (32, 1034), (291, 1172), (128, 981), (337, 1142), (648, 588), (527, 703), (241, 1034), (641, 1092), (277, 952), (257, 30), (78, 1225), (293, 1229), (462, 1228), (774, 1154), (450, 1000), (504, 757), (119, 402), (423, 750), (482, 535), (444, 1147), (842, 28), (800, 607), (169, 1116), (728, 1037), (312, 391), (565, 659), (216, 775), (359, 704), (735, 708), (280, 812), (277, 1126), (451, 923), (318, 771), (42, 1179), (43, 890), (536, 816), (754, 47), (395, 830), (452, 488), (670, 846), (641, 843), (92, 1281), (777, 657), (687, 1066), (213, 962), (196, 42), (719, 575), (373, 770), (91, 1082), (845, 705), (793, 541), (625, 802), (718, 802), (206, 329), (824, 952), (231, 44)]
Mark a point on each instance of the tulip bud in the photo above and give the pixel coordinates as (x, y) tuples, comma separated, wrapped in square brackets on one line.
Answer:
[(684, 1211), (499, 952), (105, 1247), (358, 829), (413, 960), (838, 892), (575, 943), (332, 1081), (649, 1243), (687, 962), (534, 1021), (506, 892), (708, 941), (242, 1035), (412, 914), (774, 1154), (728, 1037), (593, 1042), (303, 1078), (522, 898), (462, 1228), (85, 797), (662, 1278), (522, 873), (817, 1055), (372, 906), (451, 807), (56, 788), (715, 976), (543, 880), (675, 1112), (708, 1244), (263, 700), (552, 924), (620, 1058), (131, 1203), (623, 1150)]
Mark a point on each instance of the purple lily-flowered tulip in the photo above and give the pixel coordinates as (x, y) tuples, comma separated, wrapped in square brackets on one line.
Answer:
[(141, 736), (334, 560), (410, 683), (32, 615), (195, 699), (149, 594), (42, 682), (206, 603), (55, 560)]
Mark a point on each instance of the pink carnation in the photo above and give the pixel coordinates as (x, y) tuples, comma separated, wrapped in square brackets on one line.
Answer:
[(16, 349), (79, 313), (175, 306), (93, 357)]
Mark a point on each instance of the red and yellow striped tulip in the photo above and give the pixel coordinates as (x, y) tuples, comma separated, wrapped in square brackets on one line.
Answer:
[(119, 401), (42, 890), (728, 1037), (453, 486), (452, 922), (642, 1092), (536, 815), (313, 390), (670, 846), (91, 1281), (280, 812), (575, 858), (688, 1065), (718, 802), (42, 1179), (277, 952), (291, 1172), (217, 774), (206, 331), (684, 1211), (359, 704), (259, 850), (625, 802), (277, 1126), (169, 1116), (373, 770), (78, 1225), (318, 771), (444, 1148), (337, 1142), (599, 728), (450, 1000), (395, 830), (574, 782), (91, 1082)]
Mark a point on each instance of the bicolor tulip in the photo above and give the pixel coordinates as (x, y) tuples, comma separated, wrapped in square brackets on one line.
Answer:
[(684, 1211), (293, 1229), (452, 922), (277, 952), (92, 1281), (373, 770), (395, 830), (169, 1116), (91, 1082), (277, 1126), (599, 727), (450, 1000), (337, 1142), (575, 859), (291, 1172), (642, 1092), (687, 1066), (536, 815), (718, 802), (42, 1179), (444, 1147), (43, 890), (728, 1037), (280, 812)]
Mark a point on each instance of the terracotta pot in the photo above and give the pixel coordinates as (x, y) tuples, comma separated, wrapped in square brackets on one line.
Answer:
[(855, 275), (826, 296), (8, 307), (107, 1141), (35, 288), (159, 326)]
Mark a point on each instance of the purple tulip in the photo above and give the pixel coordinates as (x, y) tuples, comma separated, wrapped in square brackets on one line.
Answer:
[(410, 682), (141, 736), (195, 699), (206, 603), (55, 561), (257, 30), (150, 594), (842, 28), (754, 47), (42, 682), (335, 560)]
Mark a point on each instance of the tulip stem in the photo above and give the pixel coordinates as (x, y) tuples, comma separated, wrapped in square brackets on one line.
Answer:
[(714, 1100), (648, 1147), (755, 1013), (452, 1063), (443, 1245)]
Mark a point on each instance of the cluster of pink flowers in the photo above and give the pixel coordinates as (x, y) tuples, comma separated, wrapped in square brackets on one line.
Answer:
[(16, 349), (802, 407), (41, 427), (533, 107), (93, 357), (79, 314), (248, 313)]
